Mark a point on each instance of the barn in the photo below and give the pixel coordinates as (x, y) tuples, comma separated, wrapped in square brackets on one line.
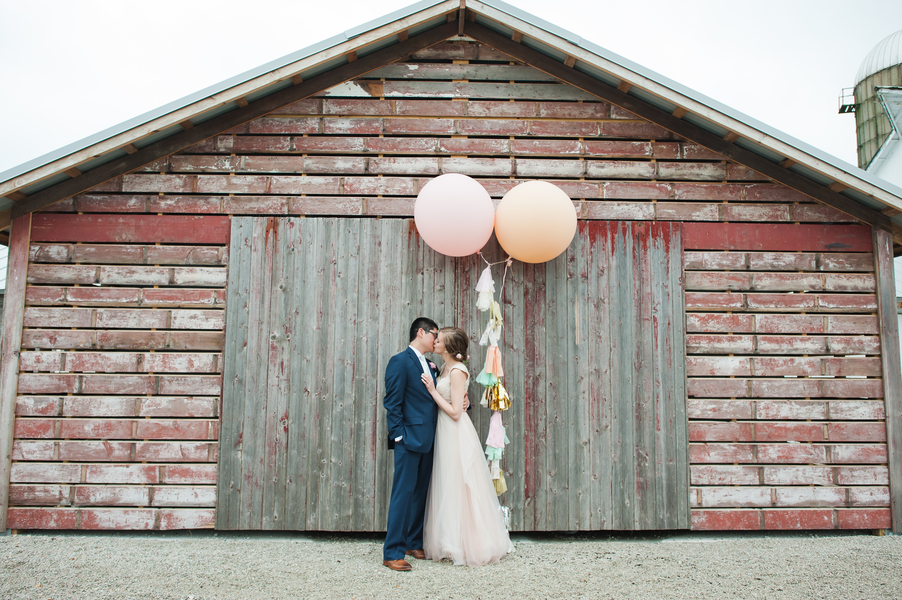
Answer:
[(201, 302)]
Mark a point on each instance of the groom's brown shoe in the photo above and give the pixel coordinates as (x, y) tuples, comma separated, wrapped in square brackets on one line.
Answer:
[(417, 554), (397, 565)]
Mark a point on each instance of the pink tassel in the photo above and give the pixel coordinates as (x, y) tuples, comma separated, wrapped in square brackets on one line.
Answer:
[(495, 364), (496, 432)]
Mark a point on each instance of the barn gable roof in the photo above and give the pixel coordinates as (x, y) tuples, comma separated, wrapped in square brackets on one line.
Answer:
[(569, 58)]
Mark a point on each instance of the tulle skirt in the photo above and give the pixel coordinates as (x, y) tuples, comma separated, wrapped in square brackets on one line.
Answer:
[(463, 516)]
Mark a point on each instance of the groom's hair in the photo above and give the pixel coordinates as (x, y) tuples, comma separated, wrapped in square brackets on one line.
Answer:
[(424, 323)]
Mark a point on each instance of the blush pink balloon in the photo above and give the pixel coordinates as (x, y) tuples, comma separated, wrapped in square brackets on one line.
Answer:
[(454, 214)]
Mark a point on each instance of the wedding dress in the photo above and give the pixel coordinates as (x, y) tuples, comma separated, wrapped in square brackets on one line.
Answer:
[(463, 518)]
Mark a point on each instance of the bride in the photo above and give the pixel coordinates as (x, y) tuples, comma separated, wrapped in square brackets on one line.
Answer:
[(463, 518)]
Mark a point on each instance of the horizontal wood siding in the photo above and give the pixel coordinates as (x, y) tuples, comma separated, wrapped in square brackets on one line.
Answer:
[(117, 412), (787, 424), (781, 312)]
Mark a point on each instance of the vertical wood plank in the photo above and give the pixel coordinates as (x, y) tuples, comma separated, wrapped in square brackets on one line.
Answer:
[(229, 480), (679, 448), (662, 384), (364, 383), (599, 371), (10, 344), (393, 241), (646, 372), (346, 345), (892, 371), (515, 376), (319, 492), (626, 296), (255, 405), (580, 514), (302, 355), (556, 501), (542, 448), (278, 376)]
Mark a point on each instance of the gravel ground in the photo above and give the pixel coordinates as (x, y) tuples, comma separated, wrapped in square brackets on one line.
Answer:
[(239, 566)]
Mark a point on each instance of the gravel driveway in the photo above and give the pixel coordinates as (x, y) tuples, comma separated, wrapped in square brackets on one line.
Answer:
[(240, 566)]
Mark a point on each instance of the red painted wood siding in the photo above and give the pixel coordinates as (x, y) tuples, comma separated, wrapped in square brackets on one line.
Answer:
[(787, 422), (117, 414)]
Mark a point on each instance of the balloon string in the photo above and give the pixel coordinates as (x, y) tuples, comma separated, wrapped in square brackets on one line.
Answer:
[(491, 264)]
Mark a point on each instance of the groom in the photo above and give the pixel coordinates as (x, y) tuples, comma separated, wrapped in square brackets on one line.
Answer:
[(411, 414)]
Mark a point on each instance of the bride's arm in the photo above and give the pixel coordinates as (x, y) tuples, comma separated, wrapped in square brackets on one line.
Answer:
[(455, 408)]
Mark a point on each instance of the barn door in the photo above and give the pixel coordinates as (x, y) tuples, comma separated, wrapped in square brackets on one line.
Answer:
[(315, 309), (594, 357)]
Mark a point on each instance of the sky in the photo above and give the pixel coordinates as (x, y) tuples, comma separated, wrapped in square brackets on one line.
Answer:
[(71, 68)]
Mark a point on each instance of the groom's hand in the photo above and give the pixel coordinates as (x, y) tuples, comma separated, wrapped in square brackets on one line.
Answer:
[(466, 400)]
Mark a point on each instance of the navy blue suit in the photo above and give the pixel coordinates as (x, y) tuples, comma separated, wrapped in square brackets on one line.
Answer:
[(411, 414)]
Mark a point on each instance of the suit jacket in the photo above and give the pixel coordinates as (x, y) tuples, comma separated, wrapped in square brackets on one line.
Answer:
[(410, 410)]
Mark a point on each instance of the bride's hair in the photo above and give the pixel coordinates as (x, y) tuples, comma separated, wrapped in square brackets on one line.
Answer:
[(456, 342)]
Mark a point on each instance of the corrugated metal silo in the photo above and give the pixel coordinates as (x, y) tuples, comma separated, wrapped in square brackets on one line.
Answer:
[(881, 68)]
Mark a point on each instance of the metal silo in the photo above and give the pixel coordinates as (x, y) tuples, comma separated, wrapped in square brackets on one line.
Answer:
[(878, 88)]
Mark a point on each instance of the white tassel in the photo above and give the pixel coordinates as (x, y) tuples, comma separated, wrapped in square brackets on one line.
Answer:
[(492, 334), (485, 289), (484, 301)]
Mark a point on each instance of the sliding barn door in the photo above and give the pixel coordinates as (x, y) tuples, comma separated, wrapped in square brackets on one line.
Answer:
[(316, 307), (594, 358), (594, 352)]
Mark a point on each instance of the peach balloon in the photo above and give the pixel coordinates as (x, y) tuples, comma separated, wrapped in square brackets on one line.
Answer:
[(535, 222), (454, 214)]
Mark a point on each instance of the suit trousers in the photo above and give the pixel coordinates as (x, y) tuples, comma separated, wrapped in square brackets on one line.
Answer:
[(407, 506)]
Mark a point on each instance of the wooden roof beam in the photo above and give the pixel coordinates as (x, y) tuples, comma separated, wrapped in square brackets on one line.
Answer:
[(837, 187), (680, 112), (16, 196), (665, 119), (461, 17), (231, 119)]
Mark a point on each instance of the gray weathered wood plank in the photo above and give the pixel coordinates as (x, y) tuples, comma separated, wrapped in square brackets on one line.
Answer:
[(234, 354), (680, 445), (890, 362), (10, 345), (580, 474), (645, 414), (299, 365)]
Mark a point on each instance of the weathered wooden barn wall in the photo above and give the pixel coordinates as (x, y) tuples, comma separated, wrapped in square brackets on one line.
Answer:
[(594, 353), (787, 428)]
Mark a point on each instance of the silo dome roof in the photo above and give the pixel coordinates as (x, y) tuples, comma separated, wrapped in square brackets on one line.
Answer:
[(885, 54)]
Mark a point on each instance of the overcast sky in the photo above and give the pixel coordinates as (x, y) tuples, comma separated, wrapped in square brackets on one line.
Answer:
[(74, 67)]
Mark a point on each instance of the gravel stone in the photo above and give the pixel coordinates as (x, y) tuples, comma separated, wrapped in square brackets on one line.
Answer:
[(242, 566)]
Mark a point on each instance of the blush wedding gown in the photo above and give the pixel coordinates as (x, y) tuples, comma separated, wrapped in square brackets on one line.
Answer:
[(463, 516)]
